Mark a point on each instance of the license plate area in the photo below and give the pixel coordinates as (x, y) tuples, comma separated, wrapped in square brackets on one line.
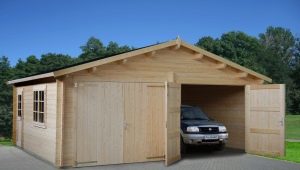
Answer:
[(208, 137)]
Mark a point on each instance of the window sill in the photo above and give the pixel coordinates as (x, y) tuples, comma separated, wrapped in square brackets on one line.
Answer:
[(39, 125)]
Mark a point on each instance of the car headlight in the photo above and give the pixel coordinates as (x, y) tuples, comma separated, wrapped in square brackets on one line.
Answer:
[(222, 129), (192, 129)]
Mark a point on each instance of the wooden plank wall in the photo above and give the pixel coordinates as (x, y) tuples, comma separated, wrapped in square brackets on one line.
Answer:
[(225, 104), (69, 123), (59, 122), (40, 141), (14, 120)]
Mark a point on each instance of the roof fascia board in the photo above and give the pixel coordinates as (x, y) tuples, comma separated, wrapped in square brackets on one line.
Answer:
[(228, 62), (46, 75)]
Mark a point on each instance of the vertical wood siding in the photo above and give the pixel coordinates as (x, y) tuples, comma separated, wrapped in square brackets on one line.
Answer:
[(37, 140)]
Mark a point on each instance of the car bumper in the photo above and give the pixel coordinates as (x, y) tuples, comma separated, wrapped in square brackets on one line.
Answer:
[(199, 139)]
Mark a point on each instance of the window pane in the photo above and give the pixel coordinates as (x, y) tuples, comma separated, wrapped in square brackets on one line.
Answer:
[(40, 106), (41, 117), (19, 113), (35, 105), (35, 96), (35, 116), (42, 95)]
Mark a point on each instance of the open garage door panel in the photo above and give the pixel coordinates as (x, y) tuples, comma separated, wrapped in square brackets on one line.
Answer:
[(173, 98), (265, 111)]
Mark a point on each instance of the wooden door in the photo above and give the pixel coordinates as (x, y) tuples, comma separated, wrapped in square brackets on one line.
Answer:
[(110, 117), (19, 127), (265, 112), (86, 123), (144, 122), (155, 121), (172, 116), (99, 126)]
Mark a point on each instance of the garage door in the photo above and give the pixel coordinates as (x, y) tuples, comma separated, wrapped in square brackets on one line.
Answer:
[(265, 110), (99, 123), (172, 137), (119, 122)]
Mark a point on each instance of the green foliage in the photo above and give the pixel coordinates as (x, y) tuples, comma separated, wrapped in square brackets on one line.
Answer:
[(53, 61), (5, 98), (237, 47), (6, 142), (292, 124), (292, 150), (94, 48)]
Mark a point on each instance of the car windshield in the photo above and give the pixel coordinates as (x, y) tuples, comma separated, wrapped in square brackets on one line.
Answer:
[(192, 113)]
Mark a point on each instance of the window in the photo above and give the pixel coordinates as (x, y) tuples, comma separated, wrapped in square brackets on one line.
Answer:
[(39, 106), (20, 105)]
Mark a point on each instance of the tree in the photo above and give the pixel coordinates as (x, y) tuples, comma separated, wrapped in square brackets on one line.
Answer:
[(5, 98), (93, 48), (278, 44), (113, 48), (295, 97), (26, 68), (52, 61), (235, 46)]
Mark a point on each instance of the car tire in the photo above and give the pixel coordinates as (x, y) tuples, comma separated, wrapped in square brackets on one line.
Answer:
[(183, 147), (220, 146)]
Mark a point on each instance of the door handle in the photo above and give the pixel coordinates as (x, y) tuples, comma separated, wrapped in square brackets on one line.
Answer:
[(125, 125), (281, 122)]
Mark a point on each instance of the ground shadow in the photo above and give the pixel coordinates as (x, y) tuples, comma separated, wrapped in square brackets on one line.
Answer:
[(196, 152)]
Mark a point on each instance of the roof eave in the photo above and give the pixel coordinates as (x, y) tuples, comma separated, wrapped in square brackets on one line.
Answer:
[(40, 76), (226, 61)]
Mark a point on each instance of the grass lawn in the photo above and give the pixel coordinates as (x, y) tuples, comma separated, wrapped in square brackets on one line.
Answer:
[(292, 152), (6, 142), (292, 125)]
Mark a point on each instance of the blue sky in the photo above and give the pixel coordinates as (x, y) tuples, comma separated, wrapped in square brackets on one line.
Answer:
[(62, 26)]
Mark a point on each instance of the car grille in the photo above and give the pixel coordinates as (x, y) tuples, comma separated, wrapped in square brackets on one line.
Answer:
[(209, 130)]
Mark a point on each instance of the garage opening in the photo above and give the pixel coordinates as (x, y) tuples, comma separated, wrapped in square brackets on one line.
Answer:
[(224, 104)]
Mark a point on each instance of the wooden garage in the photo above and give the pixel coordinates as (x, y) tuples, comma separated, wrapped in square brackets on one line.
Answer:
[(126, 108)]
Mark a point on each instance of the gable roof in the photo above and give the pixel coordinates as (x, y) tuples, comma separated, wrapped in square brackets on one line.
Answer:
[(144, 50)]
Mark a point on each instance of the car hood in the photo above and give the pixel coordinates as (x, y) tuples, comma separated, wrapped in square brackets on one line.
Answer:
[(200, 123)]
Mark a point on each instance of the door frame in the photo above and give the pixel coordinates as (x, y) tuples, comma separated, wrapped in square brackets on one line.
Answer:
[(20, 119)]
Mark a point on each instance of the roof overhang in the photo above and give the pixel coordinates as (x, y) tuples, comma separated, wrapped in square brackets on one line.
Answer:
[(31, 78), (176, 43)]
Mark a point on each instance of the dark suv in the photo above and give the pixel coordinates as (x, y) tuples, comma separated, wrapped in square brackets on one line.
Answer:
[(198, 129)]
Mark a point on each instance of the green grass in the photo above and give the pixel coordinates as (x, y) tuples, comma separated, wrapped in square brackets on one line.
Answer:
[(292, 152), (6, 142), (292, 123)]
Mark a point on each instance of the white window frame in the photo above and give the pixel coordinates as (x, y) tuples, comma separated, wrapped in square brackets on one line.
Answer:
[(39, 109), (20, 103)]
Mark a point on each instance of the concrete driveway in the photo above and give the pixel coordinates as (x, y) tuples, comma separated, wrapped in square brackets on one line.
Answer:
[(12, 158)]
